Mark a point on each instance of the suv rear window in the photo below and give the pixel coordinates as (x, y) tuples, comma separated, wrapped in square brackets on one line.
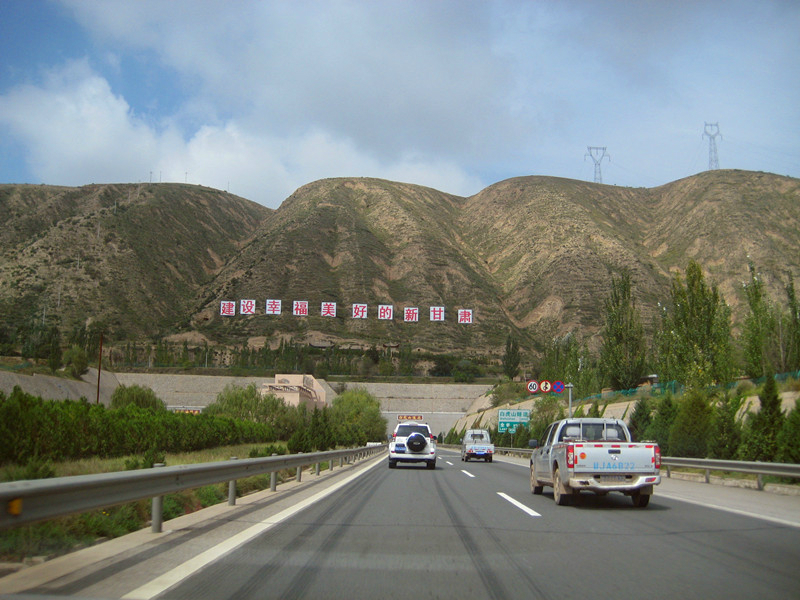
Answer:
[(407, 430)]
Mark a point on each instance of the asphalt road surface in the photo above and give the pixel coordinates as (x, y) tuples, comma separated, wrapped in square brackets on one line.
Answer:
[(463, 531)]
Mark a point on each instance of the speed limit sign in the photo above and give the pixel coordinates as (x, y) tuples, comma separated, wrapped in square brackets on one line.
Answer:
[(533, 386), (545, 386)]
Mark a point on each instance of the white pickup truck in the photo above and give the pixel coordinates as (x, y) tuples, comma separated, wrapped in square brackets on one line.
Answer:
[(596, 455)]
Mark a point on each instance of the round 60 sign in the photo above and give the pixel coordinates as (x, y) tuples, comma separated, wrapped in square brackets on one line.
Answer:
[(533, 386)]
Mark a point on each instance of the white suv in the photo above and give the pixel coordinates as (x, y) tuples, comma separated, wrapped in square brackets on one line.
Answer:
[(412, 442)]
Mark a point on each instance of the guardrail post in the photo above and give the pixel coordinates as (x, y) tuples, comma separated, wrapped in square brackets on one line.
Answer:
[(341, 461), (299, 470), (760, 482), (273, 478), (157, 509), (232, 489), (708, 476), (317, 469)]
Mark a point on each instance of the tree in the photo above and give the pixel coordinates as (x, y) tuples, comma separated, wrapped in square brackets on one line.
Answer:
[(789, 437), (640, 418), (511, 358), (54, 353), (248, 404), (759, 328), (793, 328), (694, 342), (622, 356), (136, 395), (725, 432), (568, 360), (760, 436), (76, 361), (465, 371), (689, 432), (659, 427), (356, 417)]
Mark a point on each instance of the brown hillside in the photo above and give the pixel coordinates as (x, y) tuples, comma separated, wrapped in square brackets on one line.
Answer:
[(531, 254)]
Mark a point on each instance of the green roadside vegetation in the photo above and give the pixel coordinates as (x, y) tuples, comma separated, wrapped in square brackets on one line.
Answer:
[(46, 438)]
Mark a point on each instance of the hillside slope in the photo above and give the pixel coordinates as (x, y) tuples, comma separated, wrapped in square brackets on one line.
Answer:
[(133, 257), (532, 255)]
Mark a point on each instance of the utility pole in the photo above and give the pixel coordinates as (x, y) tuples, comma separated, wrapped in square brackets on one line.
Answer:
[(597, 154), (712, 131)]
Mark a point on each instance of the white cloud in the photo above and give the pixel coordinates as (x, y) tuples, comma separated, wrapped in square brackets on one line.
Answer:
[(77, 131), (263, 97)]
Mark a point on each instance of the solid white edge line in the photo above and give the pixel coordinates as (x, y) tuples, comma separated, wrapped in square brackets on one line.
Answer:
[(174, 576), (519, 505), (467, 473), (736, 511)]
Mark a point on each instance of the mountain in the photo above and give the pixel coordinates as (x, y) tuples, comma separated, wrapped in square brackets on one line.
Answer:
[(532, 255), (135, 258)]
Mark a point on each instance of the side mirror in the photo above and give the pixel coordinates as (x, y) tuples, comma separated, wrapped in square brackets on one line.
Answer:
[(533, 443)]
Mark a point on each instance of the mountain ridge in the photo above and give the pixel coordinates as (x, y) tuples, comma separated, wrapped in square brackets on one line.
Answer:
[(529, 255)]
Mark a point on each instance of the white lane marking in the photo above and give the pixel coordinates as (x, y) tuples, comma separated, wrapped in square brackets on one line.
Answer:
[(170, 578), (519, 505), (449, 463), (467, 473)]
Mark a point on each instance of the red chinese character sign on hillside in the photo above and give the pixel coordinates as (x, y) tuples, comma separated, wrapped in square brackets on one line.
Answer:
[(273, 307), (300, 308)]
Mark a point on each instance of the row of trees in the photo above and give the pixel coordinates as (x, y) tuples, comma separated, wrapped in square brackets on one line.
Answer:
[(353, 419), (704, 423), (138, 422), (32, 428), (691, 341)]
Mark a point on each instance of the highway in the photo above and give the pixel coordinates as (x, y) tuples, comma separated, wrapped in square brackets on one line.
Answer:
[(463, 531)]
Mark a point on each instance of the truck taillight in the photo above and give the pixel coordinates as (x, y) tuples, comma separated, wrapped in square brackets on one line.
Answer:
[(657, 457), (570, 456)]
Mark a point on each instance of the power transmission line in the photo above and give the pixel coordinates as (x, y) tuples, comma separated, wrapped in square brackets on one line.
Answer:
[(597, 154)]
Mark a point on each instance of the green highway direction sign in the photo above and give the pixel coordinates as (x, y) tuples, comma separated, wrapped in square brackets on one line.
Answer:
[(507, 420)]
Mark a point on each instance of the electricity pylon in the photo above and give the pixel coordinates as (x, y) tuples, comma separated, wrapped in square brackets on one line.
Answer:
[(597, 154), (712, 131)]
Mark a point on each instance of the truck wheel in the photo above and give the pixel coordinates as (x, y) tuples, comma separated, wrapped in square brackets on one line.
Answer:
[(489, 459), (536, 487), (640, 500), (392, 464), (560, 493), (431, 464)]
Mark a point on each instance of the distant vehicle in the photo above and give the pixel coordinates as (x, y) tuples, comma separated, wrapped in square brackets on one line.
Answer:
[(595, 455), (476, 443), (412, 442)]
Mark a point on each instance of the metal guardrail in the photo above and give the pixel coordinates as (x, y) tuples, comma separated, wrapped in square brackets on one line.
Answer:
[(760, 469), (733, 466), (24, 502)]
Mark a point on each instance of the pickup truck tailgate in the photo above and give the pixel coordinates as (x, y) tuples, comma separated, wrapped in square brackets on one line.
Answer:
[(596, 457)]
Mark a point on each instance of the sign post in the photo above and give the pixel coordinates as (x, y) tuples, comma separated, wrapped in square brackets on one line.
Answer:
[(569, 387)]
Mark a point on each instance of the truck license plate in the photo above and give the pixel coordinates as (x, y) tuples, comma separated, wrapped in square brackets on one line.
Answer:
[(613, 478)]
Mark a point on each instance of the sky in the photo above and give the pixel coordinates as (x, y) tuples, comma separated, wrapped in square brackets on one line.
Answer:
[(261, 98)]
